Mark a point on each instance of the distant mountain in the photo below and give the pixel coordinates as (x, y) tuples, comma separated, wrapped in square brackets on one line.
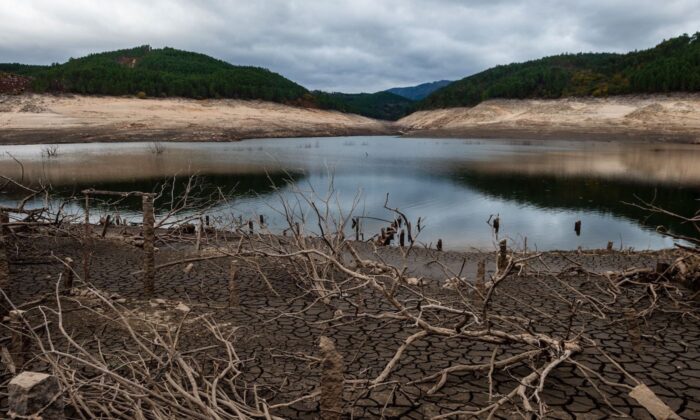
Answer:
[(416, 93), (159, 73), (380, 105), (671, 66)]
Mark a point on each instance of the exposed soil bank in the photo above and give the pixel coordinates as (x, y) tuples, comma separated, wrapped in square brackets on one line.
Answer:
[(673, 118), (29, 119)]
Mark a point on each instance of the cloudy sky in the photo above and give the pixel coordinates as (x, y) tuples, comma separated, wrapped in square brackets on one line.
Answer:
[(353, 45)]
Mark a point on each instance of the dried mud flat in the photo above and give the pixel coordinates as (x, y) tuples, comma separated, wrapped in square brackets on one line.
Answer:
[(31, 119), (281, 352)]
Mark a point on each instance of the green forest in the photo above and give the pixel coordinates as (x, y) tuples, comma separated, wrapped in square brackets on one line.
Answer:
[(671, 66), (380, 105), (159, 73)]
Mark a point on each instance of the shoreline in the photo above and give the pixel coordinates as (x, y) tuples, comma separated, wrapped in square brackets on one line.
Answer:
[(46, 119)]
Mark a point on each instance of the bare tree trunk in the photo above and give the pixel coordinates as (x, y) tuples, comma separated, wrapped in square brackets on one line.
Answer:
[(86, 241), (149, 273)]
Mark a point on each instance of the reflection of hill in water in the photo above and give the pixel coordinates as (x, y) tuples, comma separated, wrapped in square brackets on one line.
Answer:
[(207, 188), (592, 194)]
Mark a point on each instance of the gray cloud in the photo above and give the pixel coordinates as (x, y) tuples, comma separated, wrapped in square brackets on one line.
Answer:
[(354, 45)]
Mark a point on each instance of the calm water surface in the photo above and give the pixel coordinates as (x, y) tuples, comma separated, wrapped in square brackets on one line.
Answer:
[(539, 189)]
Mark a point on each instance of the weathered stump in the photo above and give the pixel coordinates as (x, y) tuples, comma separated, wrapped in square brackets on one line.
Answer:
[(20, 343), (68, 275), (87, 245), (149, 272), (332, 378), (502, 260), (439, 245), (35, 395), (4, 267)]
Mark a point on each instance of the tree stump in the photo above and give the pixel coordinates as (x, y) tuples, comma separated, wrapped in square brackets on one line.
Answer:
[(577, 228), (149, 272), (68, 275), (439, 245), (502, 260), (20, 343), (35, 395)]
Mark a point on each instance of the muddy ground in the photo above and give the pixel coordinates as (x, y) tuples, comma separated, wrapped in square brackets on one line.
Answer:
[(279, 350)]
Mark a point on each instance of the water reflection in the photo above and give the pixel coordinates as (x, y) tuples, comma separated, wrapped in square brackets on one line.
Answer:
[(538, 188)]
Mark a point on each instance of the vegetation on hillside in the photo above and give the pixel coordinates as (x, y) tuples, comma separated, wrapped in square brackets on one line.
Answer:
[(672, 66), (380, 105), (159, 73)]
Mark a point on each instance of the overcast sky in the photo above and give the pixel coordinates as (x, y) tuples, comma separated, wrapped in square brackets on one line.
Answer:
[(351, 46)]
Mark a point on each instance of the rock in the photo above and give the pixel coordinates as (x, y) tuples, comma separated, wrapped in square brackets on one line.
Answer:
[(182, 308), (30, 392)]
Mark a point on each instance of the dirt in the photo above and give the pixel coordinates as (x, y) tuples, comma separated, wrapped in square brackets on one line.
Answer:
[(274, 346), (674, 118), (32, 118)]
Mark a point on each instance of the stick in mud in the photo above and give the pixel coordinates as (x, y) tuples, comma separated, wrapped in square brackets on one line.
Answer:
[(148, 245), (68, 275), (20, 343)]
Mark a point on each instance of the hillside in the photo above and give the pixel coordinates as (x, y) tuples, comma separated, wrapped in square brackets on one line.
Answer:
[(159, 73), (671, 66), (668, 117), (380, 105), (416, 93), (33, 118)]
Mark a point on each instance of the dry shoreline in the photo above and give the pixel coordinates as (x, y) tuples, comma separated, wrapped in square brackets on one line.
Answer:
[(46, 119)]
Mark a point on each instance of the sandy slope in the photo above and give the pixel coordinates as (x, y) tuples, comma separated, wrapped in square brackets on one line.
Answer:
[(675, 117), (31, 118)]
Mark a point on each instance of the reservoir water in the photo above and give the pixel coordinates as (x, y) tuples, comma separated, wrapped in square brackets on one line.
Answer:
[(539, 189)]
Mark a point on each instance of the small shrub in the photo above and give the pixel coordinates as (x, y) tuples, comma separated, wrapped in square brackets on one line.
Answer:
[(141, 95)]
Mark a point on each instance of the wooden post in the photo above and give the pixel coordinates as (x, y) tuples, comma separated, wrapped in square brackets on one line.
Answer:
[(502, 260), (577, 228), (20, 343), (250, 227), (68, 275), (496, 225), (525, 245), (4, 267), (402, 238), (108, 220), (233, 300), (439, 245), (149, 273), (86, 241), (262, 221), (4, 220)]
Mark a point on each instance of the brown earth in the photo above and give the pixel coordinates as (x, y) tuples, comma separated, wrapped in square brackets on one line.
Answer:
[(35, 118), (279, 350), (673, 118)]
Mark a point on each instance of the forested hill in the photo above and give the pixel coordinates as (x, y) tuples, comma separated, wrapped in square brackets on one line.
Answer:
[(672, 66), (416, 93), (159, 73), (380, 105)]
